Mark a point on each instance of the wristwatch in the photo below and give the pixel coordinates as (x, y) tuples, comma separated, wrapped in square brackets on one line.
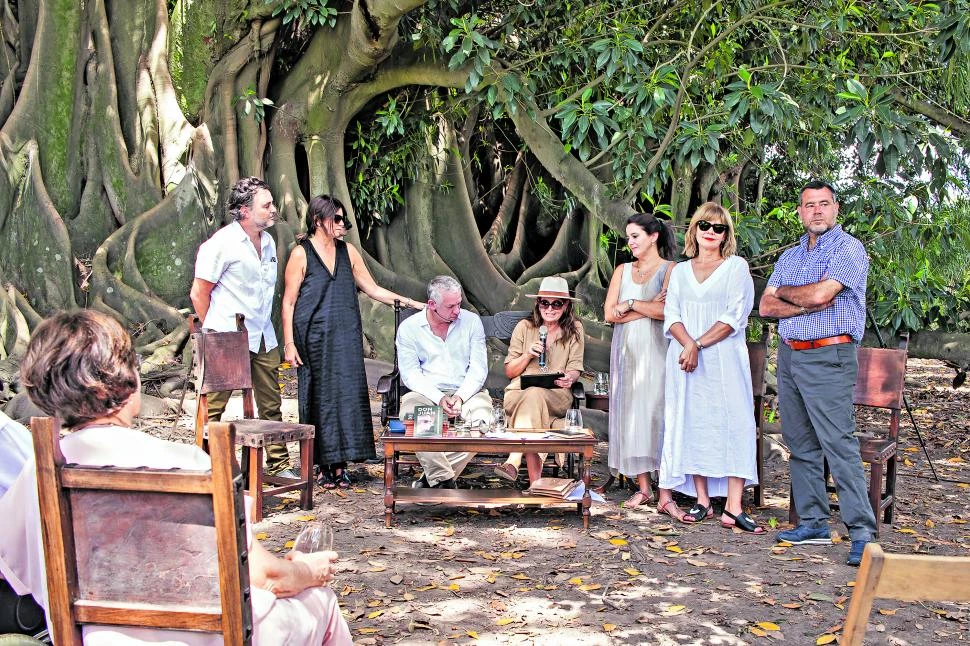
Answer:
[(802, 310), (700, 346), (629, 303)]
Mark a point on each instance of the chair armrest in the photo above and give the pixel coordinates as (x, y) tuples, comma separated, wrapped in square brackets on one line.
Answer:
[(579, 394), (384, 382)]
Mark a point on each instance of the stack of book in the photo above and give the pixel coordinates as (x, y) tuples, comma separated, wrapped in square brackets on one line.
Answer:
[(553, 487)]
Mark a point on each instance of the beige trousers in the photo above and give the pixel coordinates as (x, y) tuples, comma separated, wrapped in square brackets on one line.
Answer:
[(443, 465), (536, 408)]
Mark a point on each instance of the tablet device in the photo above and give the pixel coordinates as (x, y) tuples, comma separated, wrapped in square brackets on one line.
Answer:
[(541, 380)]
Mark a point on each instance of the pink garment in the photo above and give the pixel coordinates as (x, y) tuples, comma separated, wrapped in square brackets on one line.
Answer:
[(310, 618)]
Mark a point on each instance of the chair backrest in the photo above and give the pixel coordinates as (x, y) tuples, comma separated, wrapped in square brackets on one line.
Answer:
[(758, 363), (501, 324), (220, 359), (142, 547), (902, 577), (882, 374)]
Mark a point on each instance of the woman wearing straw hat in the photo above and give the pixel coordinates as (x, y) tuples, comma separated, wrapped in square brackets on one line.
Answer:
[(563, 346)]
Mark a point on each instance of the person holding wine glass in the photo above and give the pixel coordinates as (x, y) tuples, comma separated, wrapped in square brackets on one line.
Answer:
[(81, 367), (549, 341)]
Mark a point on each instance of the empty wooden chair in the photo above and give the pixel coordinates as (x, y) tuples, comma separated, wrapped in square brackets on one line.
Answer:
[(154, 548), (221, 362), (758, 359), (882, 375), (903, 577)]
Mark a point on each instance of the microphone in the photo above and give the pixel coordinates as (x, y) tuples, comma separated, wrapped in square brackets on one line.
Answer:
[(543, 332)]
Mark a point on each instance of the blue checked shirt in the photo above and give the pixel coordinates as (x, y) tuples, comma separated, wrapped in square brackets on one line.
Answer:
[(836, 255)]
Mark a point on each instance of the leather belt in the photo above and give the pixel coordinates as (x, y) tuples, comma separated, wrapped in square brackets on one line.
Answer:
[(818, 343)]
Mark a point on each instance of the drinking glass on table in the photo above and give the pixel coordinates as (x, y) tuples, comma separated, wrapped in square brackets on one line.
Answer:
[(314, 537), (574, 421), (602, 384), (498, 418)]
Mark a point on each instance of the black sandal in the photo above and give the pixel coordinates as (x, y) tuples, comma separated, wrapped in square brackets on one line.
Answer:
[(325, 481), (697, 513), (743, 522), (342, 480)]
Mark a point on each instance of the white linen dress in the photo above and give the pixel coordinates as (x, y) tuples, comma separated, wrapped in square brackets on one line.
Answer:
[(709, 427), (637, 383)]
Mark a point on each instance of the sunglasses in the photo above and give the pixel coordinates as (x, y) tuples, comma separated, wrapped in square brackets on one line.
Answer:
[(556, 304), (704, 225)]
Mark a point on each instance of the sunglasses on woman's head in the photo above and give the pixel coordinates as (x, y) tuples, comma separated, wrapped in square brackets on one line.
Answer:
[(556, 304), (704, 225)]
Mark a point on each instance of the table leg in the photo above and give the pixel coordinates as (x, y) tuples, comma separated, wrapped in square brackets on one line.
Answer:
[(584, 463), (389, 469)]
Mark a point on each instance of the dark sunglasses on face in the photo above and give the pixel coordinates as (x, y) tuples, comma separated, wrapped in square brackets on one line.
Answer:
[(704, 225), (556, 304), (340, 219)]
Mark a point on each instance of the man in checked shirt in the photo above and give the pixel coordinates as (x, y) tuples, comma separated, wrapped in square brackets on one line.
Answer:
[(818, 293)]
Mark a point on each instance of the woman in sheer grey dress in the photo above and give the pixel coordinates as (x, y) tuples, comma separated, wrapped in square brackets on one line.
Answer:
[(634, 304)]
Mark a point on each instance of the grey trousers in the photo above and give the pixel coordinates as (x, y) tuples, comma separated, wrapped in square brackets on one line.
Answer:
[(818, 421)]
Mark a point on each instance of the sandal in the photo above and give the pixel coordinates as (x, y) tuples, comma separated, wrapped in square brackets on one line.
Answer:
[(697, 513), (342, 479), (678, 515), (638, 499), (743, 522), (325, 481)]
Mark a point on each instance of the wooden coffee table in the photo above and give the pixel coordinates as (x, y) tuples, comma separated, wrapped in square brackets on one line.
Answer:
[(526, 441)]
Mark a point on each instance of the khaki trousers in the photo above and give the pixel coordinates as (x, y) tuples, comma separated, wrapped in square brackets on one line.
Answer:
[(265, 366), (443, 465)]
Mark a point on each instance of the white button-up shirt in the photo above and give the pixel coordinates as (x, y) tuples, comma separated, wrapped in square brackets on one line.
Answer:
[(245, 283), (429, 365)]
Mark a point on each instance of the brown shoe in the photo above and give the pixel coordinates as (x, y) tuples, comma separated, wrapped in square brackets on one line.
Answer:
[(507, 472)]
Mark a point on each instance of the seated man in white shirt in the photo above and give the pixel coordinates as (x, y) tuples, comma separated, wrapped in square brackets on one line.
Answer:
[(442, 359)]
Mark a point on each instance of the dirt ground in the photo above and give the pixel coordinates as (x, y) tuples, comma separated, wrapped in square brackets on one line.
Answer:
[(446, 575)]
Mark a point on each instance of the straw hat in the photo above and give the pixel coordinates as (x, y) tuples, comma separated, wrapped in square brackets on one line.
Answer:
[(553, 287)]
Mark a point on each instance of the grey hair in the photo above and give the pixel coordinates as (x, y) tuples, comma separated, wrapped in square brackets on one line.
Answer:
[(442, 285)]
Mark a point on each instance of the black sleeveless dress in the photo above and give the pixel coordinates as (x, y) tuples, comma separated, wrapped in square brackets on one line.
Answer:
[(332, 382)]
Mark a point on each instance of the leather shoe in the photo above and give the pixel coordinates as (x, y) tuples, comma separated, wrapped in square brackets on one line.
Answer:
[(420, 483)]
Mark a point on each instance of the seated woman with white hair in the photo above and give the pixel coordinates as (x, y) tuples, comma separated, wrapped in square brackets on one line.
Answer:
[(563, 347), (81, 367)]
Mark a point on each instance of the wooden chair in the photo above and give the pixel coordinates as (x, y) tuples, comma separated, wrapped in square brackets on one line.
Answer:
[(758, 360), (155, 548), (903, 577), (499, 326), (882, 375), (221, 362)]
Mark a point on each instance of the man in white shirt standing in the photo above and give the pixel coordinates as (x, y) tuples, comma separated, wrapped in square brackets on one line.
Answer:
[(235, 271), (442, 359)]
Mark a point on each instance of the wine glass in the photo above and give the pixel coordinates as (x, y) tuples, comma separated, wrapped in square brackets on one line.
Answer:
[(314, 537), (498, 418), (574, 421)]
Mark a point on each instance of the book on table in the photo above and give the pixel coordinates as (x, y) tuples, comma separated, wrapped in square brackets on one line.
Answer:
[(428, 421), (553, 487)]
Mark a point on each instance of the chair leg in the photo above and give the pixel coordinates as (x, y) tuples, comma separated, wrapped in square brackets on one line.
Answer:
[(792, 513), (256, 481), (306, 473), (890, 488), (875, 491)]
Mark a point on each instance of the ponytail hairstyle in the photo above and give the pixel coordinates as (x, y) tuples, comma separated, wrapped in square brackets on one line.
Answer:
[(666, 242)]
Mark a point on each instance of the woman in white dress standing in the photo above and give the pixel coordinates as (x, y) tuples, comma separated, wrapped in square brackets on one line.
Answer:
[(709, 439), (635, 306)]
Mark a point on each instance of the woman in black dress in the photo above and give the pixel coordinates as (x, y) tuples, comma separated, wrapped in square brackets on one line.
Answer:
[(322, 336)]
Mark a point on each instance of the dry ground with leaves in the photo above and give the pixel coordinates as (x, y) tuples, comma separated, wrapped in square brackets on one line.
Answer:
[(506, 575)]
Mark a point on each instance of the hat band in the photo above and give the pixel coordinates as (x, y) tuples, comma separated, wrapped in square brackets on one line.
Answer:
[(548, 294)]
